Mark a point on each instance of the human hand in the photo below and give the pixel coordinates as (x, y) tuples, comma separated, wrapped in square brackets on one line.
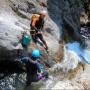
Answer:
[(40, 32)]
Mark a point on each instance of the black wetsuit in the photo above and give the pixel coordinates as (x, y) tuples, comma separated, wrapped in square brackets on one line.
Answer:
[(32, 70), (32, 67), (38, 25)]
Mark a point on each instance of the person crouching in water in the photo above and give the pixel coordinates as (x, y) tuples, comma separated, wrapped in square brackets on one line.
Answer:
[(37, 24)]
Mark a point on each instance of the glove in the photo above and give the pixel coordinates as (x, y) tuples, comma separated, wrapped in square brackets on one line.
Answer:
[(39, 76)]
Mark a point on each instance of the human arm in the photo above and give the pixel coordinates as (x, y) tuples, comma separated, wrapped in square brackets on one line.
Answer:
[(32, 61), (33, 22), (39, 67)]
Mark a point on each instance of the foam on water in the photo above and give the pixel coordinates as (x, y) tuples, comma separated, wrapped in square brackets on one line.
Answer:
[(82, 53)]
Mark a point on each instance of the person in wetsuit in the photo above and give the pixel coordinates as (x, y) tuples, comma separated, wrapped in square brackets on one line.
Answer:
[(37, 26), (33, 67)]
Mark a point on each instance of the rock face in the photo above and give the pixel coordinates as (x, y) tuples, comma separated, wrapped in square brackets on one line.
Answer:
[(14, 19), (66, 12)]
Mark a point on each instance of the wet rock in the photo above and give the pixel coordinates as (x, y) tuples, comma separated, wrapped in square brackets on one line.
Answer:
[(67, 13), (60, 53), (85, 32)]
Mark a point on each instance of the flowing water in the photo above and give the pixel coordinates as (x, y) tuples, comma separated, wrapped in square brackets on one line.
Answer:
[(73, 54), (82, 53)]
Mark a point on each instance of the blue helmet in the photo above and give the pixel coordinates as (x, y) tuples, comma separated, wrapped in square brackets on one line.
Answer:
[(35, 53)]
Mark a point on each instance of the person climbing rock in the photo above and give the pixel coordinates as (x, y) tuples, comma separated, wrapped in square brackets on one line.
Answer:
[(37, 24), (33, 67)]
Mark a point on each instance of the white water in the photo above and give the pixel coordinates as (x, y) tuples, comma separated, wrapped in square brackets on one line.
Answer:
[(73, 54), (82, 53)]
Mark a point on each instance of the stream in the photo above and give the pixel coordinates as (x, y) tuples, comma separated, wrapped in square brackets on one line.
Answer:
[(73, 54)]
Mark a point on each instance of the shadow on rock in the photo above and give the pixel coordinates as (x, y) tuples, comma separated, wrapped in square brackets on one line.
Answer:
[(66, 14)]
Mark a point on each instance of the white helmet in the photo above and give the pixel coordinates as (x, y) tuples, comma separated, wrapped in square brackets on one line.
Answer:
[(43, 12)]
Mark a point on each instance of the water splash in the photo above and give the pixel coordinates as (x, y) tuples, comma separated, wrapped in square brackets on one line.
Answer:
[(73, 54), (82, 53)]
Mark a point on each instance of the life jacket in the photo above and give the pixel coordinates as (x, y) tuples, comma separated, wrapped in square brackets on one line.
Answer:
[(34, 16), (39, 23), (26, 39)]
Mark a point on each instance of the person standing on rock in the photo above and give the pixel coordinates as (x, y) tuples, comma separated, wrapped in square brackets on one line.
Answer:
[(37, 24)]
